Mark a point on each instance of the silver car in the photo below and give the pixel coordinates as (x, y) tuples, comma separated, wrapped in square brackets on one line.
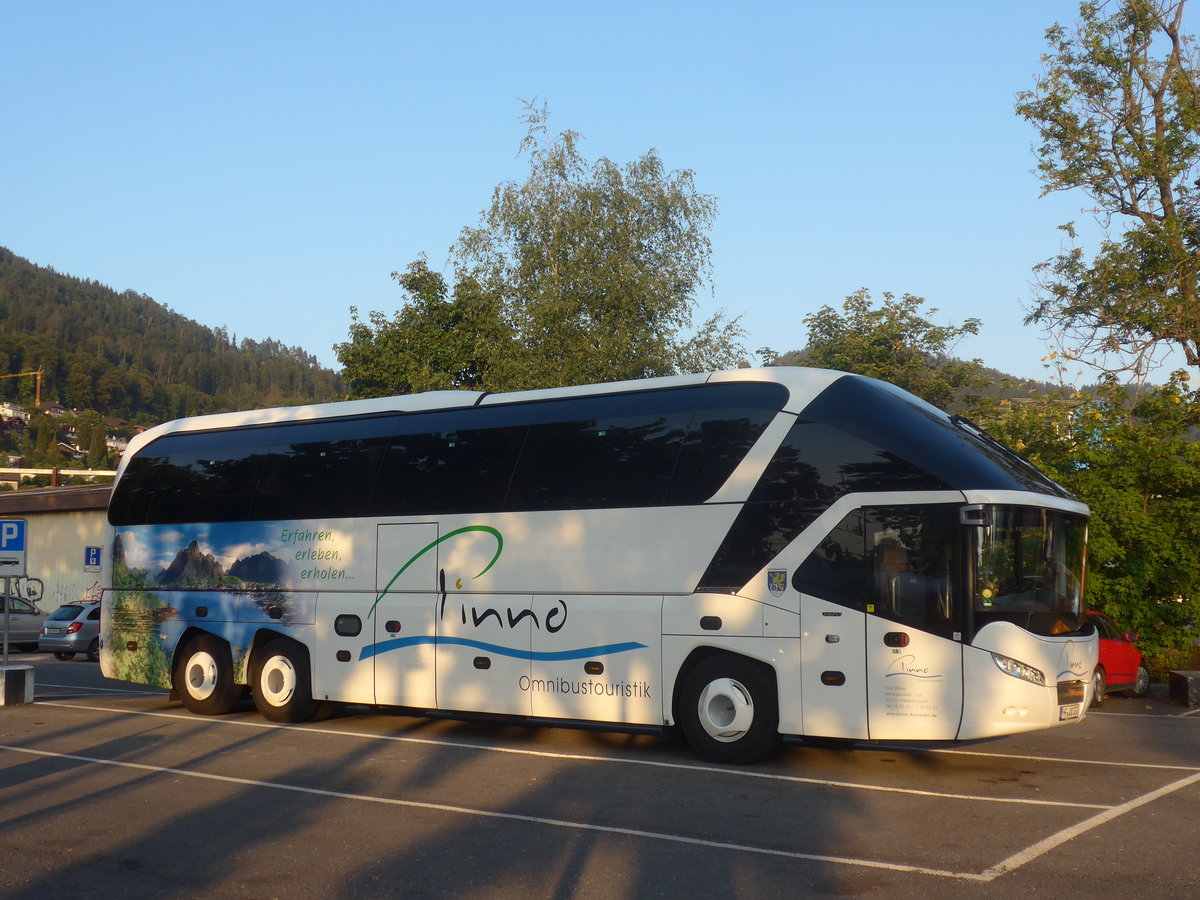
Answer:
[(24, 623), (72, 628)]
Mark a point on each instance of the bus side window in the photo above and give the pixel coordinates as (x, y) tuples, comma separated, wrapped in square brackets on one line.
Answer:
[(836, 570), (911, 556)]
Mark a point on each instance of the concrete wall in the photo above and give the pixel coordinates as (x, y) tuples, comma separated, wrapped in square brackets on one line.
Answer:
[(61, 524)]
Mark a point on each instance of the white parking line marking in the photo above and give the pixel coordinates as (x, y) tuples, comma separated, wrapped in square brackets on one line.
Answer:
[(577, 757), (1058, 759), (99, 690), (1056, 840), (1117, 715), (512, 817), (1108, 813)]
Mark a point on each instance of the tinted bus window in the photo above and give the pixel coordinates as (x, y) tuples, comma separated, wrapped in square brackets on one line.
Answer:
[(896, 562), (446, 471), (716, 441), (205, 477), (636, 449), (814, 466), (608, 461), (339, 472), (837, 570), (923, 438)]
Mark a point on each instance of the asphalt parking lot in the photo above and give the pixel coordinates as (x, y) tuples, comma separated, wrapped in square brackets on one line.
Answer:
[(110, 790)]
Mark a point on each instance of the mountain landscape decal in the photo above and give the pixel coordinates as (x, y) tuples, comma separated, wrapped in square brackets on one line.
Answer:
[(261, 568), (193, 568)]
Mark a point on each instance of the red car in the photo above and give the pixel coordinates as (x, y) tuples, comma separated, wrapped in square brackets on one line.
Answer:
[(1121, 667)]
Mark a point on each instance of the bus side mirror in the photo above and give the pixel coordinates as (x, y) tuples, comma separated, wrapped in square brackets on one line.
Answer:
[(974, 514)]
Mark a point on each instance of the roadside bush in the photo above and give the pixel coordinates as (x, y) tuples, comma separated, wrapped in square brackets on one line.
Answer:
[(1172, 659)]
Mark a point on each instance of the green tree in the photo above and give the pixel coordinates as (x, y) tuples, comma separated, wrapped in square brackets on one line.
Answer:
[(894, 342), (1142, 481), (594, 267), (91, 437), (79, 387), (1117, 108), (39, 446), (585, 272), (1131, 458), (434, 342)]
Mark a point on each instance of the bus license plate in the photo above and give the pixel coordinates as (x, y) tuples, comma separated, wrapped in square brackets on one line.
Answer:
[(1068, 712)]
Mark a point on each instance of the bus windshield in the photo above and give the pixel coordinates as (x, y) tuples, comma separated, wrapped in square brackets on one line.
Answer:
[(1029, 569)]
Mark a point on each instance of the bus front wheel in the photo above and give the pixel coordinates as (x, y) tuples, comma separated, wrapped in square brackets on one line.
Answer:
[(281, 683), (728, 710), (204, 676)]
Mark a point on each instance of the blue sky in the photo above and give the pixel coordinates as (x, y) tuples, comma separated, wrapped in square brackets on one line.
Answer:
[(265, 166)]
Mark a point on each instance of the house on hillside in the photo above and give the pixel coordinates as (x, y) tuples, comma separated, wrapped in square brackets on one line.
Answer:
[(11, 413)]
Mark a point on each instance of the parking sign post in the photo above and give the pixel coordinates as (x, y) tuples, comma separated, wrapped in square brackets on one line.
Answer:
[(17, 681)]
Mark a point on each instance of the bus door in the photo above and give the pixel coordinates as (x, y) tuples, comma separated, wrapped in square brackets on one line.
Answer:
[(597, 658), (833, 689), (881, 627), (914, 680), (402, 618), (913, 629)]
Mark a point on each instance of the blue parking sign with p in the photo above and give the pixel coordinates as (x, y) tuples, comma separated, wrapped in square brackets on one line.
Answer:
[(12, 547), (12, 534)]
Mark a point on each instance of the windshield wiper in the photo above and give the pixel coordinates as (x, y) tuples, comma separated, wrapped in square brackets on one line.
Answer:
[(981, 433)]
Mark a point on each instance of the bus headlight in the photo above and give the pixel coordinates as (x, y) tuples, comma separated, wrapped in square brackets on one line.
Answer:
[(1018, 669)]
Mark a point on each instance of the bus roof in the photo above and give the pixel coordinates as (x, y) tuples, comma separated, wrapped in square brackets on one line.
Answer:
[(803, 385)]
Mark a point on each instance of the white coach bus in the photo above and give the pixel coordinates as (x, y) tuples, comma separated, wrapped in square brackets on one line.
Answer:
[(743, 554)]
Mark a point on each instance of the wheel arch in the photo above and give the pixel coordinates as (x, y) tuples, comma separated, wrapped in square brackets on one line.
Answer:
[(190, 634), (265, 636), (707, 651), (239, 656), (221, 693)]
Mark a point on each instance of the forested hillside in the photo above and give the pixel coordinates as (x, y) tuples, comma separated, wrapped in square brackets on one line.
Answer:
[(124, 354)]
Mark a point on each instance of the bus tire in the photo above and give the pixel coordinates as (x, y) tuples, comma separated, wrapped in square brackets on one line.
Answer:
[(728, 710), (281, 684), (204, 676)]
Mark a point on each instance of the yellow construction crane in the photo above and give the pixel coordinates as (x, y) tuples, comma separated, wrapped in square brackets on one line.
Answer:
[(37, 389)]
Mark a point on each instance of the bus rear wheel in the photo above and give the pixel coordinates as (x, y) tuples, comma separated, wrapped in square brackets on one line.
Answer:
[(204, 676), (281, 683), (728, 710)]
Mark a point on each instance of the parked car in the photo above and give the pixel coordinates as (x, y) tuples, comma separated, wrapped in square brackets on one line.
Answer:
[(24, 623), (72, 628), (1121, 667)]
